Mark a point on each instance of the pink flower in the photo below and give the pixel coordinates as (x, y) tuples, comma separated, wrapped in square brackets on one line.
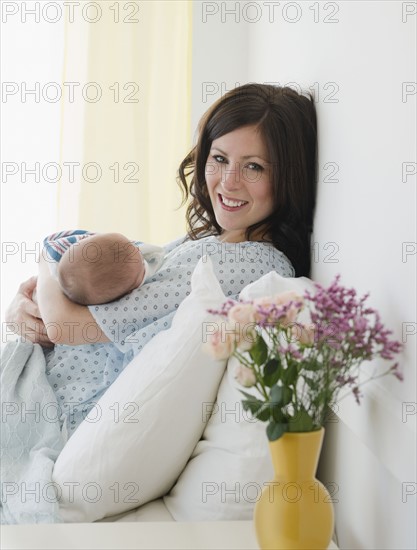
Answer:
[(266, 301), (245, 376), (289, 296), (242, 314), (220, 344), (290, 316), (295, 302), (282, 308), (281, 299), (246, 338), (242, 320), (304, 334)]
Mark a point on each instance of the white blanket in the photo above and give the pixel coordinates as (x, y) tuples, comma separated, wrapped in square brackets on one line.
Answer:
[(30, 437)]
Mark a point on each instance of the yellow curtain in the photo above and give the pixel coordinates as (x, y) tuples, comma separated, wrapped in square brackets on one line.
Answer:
[(135, 119)]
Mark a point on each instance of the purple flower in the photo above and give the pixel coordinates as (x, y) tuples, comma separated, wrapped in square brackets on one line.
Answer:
[(344, 332), (291, 350), (395, 369), (356, 392)]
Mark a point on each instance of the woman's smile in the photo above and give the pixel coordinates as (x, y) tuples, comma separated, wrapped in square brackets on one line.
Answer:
[(231, 205)]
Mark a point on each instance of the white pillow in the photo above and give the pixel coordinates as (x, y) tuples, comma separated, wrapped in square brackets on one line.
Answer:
[(225, 475), (151, 417)]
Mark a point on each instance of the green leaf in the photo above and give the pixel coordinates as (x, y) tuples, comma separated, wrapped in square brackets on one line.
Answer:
[(276, 396), (271, 372), (301, 422), (275, 430), (312, 365), (253, 405), (290, 374), (286, 395), (259, 352), (264, 413), (312, 384), (247, 395), (277, 413)]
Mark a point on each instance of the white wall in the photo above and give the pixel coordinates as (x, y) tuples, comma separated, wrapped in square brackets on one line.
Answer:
[(360, 65), (219, 56)]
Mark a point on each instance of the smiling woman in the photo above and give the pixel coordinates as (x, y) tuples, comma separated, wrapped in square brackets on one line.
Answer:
[(253, 194), (253, 171)]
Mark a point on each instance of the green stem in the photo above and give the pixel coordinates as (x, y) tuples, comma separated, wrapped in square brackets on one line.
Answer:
[(365, 382), (259, 382)]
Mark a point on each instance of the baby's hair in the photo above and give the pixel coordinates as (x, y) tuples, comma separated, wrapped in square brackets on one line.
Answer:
[(100, 269), (287, 122)]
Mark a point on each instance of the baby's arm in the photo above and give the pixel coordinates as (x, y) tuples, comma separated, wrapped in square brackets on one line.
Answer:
[(66, 322)]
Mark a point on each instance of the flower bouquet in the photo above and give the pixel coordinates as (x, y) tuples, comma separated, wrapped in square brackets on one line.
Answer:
[(300, 351)]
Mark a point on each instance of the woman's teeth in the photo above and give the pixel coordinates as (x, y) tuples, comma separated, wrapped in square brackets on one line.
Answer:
[(231, 203)]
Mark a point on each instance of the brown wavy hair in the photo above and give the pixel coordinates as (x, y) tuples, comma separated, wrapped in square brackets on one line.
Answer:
[(287, 122)]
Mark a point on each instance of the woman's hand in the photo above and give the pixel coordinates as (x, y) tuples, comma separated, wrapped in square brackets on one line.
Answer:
[(23, 316)]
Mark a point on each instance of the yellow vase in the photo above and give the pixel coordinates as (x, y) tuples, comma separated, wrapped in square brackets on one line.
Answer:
[(295, 511)]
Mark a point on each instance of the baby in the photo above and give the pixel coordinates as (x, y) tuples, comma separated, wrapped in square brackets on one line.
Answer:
[(92, 269), (97, 268)]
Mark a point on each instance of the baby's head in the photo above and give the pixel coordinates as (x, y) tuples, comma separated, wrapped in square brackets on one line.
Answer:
[(100, 269)]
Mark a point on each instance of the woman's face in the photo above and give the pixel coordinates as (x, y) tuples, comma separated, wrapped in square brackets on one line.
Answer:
[(238, 176)]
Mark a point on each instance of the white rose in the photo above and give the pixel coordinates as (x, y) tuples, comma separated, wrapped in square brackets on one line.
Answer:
[(245, 376)]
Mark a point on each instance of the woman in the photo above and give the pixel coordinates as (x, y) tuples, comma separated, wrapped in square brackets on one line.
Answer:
[(253, 187)]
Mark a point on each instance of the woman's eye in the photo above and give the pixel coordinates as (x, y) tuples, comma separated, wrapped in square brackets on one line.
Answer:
[(254, 166), (219, 158)]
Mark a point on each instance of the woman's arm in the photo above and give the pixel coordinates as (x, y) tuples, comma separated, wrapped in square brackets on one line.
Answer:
[(23, 316), (66, 322)]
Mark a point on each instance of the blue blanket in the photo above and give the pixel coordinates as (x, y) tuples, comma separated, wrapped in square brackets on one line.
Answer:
[(31, 438)]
